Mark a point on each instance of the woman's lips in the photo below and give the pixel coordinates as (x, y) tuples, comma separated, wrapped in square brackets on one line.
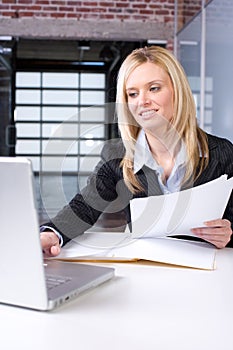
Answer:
[(148, 114)]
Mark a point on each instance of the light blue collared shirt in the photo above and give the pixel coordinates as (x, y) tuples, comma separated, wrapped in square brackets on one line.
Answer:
[(143, 156)]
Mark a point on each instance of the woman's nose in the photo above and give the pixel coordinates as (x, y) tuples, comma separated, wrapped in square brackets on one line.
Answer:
[(144, 99)]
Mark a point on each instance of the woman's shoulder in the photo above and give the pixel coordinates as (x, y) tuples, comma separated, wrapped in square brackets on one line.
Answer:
[(219, 142)]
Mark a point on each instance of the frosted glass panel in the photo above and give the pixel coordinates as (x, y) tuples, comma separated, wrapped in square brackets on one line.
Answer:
[(92, 113), (60, 130), (92, 97), (28, 146), (28, 130), (208, 84), (194, 83), (70, 164), (208, 101), (56, 147), (27, 113), (30, 79), (58, 113), (93, 80), (28, 96), (59, 164), (90, 130), (68, 80), (60, 97), (91, 147), (209, 117)]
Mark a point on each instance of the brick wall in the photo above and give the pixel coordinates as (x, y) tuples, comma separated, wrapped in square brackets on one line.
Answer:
[(115, 19), (120, 10)]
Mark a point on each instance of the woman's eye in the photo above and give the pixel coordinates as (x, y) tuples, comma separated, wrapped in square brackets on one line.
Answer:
[(132, 94), (154, 88)]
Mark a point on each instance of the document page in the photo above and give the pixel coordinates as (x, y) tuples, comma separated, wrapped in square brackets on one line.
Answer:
[(122, 247), (176, 213)]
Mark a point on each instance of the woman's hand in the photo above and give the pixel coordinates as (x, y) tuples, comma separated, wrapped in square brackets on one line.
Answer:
[(217, 232), (50, 243)]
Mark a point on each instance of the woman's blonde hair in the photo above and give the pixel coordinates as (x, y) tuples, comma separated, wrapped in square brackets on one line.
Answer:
[(184, 118)]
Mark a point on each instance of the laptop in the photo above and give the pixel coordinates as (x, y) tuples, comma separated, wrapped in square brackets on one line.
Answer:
[(27, 279)]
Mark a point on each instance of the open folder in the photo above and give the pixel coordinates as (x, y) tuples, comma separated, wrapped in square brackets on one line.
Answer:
[(122, 247), (152, 226)]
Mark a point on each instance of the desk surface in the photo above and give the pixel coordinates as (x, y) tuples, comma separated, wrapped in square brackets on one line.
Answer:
[(146, 306)]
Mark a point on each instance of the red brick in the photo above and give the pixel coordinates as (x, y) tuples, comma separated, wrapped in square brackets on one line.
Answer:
[(82, 9), (146, 12), (50, 8), (42, 2), (60, 3), (99, 10), (26, 14), (122, 17), (8, 2), (24, 2), (65, 9), (74, 3), (8, 14), (90, 3), (139, 6), (73, 15), (106, 4), (123, 5), (107, 16), (57, 15), (162, 12)]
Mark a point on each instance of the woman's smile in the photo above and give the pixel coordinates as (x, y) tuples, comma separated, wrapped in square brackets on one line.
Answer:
[(148, 114)]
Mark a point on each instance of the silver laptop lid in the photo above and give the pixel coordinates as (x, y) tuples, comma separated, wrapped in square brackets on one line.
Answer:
[(21, 260)]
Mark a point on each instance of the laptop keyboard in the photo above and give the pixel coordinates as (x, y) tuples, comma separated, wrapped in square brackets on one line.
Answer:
[(55, 281)]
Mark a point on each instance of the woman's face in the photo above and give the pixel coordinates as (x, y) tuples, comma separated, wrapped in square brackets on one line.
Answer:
[(150, 96)]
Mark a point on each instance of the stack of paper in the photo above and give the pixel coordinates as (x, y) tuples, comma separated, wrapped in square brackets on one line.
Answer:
[(153, 220)]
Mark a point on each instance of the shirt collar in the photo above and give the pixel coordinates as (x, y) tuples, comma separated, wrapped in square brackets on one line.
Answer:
[(143, 156)]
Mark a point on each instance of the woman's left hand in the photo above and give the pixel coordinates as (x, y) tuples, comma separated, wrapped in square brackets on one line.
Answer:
[(217, 232)]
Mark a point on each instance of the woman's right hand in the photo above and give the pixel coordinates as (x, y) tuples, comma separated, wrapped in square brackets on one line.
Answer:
[(50, 243)]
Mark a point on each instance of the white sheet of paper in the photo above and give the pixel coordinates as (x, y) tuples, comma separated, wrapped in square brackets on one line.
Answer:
[(177, 213), (117, 246), (171, 251), (95, 244)]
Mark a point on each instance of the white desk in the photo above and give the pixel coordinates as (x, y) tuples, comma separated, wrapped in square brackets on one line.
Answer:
[(144, 307)]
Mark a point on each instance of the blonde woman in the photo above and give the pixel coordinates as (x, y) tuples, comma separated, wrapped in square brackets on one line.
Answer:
[(161, 150)]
